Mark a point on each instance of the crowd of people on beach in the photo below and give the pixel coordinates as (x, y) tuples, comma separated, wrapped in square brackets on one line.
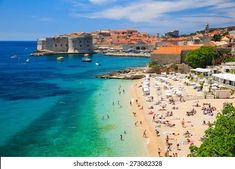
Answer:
[(162, 111), (161, 104)]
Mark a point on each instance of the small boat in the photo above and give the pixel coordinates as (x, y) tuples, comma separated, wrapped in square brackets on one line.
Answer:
[(86, 59), (27, 60), (98, 64), (13, 56), (86, 54), (60, 58)]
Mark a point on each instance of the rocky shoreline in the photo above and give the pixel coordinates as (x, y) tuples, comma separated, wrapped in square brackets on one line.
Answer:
[(127, 74), (43, 53), (147, 55)]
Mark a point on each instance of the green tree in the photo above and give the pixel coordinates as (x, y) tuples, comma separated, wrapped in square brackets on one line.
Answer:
[(154, 66), (219, 139), (201, 57), (231, 59), (216, 37)]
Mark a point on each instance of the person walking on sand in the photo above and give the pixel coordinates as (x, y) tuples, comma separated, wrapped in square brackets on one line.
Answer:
[(167, 140), (134, 113), (107, 116), (141, 123), (136, 123), (182, 123), (159, 152), (144, 134), (124, 132), (178, 146)]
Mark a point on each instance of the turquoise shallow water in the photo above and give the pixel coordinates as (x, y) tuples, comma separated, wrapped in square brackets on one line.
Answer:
[(51, 108)]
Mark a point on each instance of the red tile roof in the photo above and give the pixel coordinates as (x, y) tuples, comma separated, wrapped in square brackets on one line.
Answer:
[(174, 50)]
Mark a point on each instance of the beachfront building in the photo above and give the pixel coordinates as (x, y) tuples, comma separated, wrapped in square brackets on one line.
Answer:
[(138, 47), (227, 79), (70, 43), (205, 72), (171, 54), (228, 67)]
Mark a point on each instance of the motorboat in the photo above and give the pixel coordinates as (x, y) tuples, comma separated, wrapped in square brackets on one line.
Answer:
[(60, 58), (13, 56), (27, 60), (86, 59), (98, 64)]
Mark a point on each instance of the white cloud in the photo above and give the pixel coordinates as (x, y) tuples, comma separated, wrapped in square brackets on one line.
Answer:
[(142, 11), (156, 14), (99, 1)]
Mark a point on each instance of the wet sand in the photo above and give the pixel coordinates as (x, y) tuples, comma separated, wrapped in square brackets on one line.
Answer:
[(151, 140)]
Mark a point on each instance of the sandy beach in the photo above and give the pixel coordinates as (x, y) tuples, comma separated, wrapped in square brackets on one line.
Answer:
[(166, 126), (142, 122)]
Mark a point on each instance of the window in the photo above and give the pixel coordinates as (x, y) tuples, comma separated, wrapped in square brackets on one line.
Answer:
[(61, 45), (55, 45), (80, 46), (143, 48)]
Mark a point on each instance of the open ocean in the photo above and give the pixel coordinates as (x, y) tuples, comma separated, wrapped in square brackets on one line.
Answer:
[(51, 108)]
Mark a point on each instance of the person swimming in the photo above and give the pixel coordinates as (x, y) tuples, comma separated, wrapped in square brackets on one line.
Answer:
[(121, 137)]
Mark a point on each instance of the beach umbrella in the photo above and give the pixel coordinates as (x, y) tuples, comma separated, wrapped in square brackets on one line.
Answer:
[(146, 89), (221, 86), (146, 82), (178, 93), (168, 93), (214, 88)]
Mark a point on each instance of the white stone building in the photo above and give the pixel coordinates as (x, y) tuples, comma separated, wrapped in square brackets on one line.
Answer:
[(71, 43)]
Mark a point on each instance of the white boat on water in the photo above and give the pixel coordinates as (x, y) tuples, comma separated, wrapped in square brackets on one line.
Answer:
[(86, 54), (60, 58), (98, 64), (13, 56), (86, 59), (27, 60)]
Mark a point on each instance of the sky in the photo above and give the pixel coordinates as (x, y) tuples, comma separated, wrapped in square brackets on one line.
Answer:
[(33, 19)]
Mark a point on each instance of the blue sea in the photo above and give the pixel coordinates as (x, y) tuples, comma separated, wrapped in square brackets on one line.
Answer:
[(50, 108)]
